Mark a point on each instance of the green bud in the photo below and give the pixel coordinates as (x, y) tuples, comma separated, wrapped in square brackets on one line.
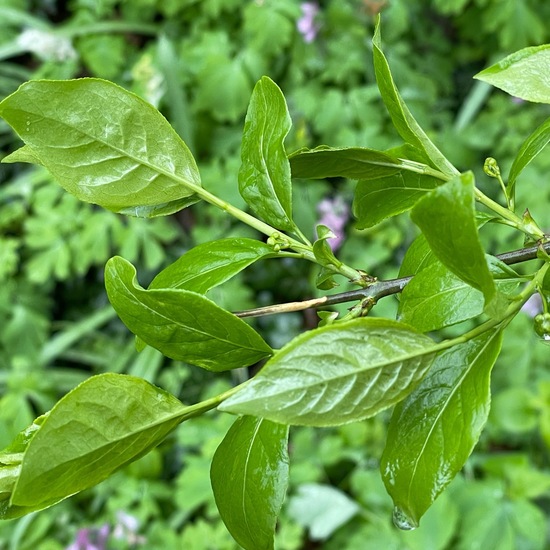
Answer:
[(491, 168), (542, 325)]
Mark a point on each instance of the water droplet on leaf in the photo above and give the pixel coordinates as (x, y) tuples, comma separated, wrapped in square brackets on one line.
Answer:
[(403, 521)]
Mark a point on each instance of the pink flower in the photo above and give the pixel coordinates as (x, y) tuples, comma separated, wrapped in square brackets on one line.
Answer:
[(334, 214), (306, 24), (533, 306), (91, 539)]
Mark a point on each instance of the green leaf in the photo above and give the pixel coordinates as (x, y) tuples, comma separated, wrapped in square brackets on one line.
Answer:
[(104, 145), (436, 298), (23, 154), (419, 255), (402, 118), (388, 186), (264, 177), (211, 264), (447, 219), (249, 477), (530, 148), (321, 249), (322, 509), (522, 74), (183, 325), (434, 430), (506, 524), (348, 162), (325, 279), (384, 197), (228, 76), (336, 374), (103, 424), (10, 469)]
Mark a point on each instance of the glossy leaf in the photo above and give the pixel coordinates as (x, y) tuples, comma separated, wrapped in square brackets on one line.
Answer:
[(384, 197), (434, 430), (249, 477), (447, 219), (402, 118), (530, 148), (522, 74), (419, 255), (264, 177), (104, 145), (103, 424), (183, 325), (436, 298), (348, 162), (337, 374), (211, 264)]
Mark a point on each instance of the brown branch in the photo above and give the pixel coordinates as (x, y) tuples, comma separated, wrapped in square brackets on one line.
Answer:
[(379, 289)]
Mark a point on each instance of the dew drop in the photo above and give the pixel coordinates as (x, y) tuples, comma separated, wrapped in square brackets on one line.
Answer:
[(403, 521)]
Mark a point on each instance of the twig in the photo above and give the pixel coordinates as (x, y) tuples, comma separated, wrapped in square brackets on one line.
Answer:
[(379, 289)]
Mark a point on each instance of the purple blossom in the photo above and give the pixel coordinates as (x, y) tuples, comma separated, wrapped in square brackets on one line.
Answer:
[(533, 306), (94, 538), (334, 213), (306, 24)]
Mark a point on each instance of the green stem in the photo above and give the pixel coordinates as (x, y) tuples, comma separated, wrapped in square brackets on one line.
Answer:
[(208, 404), (420, 168), (510, 217), (304, 250), (109, 27)]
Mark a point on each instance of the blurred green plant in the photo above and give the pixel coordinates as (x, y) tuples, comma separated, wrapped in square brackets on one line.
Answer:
[(165, 47)]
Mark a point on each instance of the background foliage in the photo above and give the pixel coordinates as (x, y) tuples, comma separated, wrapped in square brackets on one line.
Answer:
[(197, 60)]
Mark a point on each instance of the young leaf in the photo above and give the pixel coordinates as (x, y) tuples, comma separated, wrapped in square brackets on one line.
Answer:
[(530, 148), (384, 197), (522, 74), (264, 177), (321, 249), (348, 162), (104, 145), (402, 118), (336, 374), (447, 219), (211, 264), (249, 476), (436, 298), (434, 430), (104, 423), (183, 325), (325, 279)]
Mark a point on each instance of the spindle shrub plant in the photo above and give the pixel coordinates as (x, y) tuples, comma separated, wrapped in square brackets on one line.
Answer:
[(109, 147)]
